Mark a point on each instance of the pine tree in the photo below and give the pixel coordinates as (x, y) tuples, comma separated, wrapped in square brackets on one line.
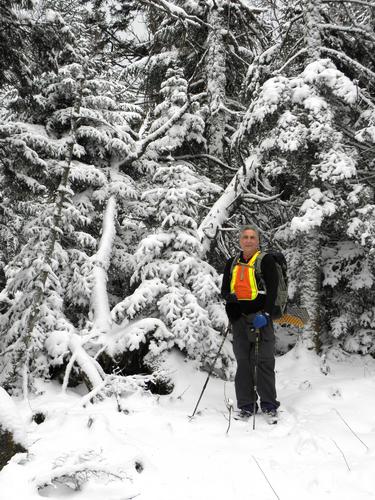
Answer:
[(15, 37), (177, 300), (301, 120), (71, 134), (214, 42), (176, 297)]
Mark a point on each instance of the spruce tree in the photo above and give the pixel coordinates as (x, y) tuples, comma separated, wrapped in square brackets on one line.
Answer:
[(70, 141), (175, 302), (305, 121)]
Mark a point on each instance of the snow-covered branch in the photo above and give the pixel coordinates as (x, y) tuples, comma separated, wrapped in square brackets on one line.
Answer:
[(99, 298), (360, 2), (344, 58), (260, 199), (219, 213), (142, 145), (348, 29), (175, 12), (251, 9), (87, 364)]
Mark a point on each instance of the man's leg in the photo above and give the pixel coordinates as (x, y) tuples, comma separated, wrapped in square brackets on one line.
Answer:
[(266, 370), (242, 349)]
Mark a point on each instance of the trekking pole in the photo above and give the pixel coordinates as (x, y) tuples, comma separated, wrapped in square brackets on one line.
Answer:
[(210, 373), (256, 374)]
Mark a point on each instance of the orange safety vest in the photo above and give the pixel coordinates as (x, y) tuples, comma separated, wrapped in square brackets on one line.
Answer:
[(243, 282)]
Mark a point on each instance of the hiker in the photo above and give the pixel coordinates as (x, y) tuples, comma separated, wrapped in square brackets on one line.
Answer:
[(249, 308)]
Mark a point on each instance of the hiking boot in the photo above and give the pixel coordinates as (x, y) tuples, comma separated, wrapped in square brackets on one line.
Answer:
[(246, 412), (271, 415), (243, 415)]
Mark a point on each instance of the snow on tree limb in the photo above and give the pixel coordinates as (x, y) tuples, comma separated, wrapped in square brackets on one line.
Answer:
[(344, 58), (348, 29), (142, 145), (175, 12), (359, 2), (85, 469), (99, 298), (220, 211), (251, 9), (86, 363)]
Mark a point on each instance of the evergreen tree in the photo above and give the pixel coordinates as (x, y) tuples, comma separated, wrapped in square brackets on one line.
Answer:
[(177, 300), (15, 37), (70, 142), (300, 120), (214, 43)]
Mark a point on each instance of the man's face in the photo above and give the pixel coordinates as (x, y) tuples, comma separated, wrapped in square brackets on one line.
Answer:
[(249, 242)]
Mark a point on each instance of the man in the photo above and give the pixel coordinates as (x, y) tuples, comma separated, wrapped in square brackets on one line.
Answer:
[(249, 307)]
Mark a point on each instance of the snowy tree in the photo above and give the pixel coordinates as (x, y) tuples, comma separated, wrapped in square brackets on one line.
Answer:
[(177, 289), (214, 42), (300, 119), (175, 301), (15, 22), (67, 141)]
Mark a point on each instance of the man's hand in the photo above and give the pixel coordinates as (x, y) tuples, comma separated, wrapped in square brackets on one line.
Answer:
[(260, 320), (231, 298)]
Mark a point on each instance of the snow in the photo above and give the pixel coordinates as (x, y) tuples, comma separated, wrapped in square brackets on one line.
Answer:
[(322, 447), (10, 420), (99, 299), (314, 209)]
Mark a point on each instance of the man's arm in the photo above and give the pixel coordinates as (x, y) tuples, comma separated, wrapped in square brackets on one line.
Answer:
[(271, 280), (225, 287)]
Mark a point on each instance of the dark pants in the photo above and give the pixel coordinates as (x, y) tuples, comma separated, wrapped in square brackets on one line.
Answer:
[(244, 338)]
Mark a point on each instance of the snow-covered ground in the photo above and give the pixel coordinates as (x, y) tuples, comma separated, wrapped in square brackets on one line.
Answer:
[(323, 446)]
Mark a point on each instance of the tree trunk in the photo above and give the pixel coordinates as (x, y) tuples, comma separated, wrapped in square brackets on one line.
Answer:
[(311, 243), (312, 19), (216, 81), (312, 288)]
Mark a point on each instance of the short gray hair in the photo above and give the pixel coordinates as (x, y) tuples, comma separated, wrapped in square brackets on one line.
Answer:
[(249, 227)]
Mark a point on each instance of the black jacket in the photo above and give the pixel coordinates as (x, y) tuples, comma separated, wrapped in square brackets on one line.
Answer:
[(262, 303)]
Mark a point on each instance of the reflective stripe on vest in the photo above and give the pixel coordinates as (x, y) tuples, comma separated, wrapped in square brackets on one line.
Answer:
[(243, 282)]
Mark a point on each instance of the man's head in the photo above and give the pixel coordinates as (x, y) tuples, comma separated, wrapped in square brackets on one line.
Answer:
[(249, 240)]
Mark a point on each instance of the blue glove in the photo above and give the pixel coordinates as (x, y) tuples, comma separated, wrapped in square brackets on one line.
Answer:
[(260, 320)]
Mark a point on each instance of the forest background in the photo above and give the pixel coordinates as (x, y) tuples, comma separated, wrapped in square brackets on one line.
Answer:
[(137, 136)]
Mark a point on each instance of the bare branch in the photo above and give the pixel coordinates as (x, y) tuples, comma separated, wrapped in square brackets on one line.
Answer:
[(209, 157), (351, 430), (297, 54), (342, 453), (266, 478)]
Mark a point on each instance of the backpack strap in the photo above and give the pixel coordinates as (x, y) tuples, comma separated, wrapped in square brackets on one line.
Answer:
[(234, 263), (258, 274)]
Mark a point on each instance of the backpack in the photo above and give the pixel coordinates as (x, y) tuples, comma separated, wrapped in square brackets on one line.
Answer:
[(282, 289)]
